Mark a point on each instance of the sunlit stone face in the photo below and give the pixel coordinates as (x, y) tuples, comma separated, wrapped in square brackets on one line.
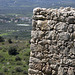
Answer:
[(53, 42)]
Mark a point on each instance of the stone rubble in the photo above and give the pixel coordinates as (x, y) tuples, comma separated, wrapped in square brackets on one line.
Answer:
[(53, 42)]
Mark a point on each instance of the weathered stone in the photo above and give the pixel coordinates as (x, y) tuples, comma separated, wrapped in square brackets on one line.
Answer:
[(31, 65), (43, 13), (44, 42), (39, 55), (32, 59), (39, 17), (35, 34), (31, 71), (32, 47), (71, 19), (32, 54), (53, 42), (53, 66), (34, 23), (74, 27), (53, 72), (61, 26), (60, 71), (62, 19), (72, 62), (39, 47), (51, 24), (70, 71), (50, 35), (47, 69), (43, 25), (37, 10), (74, 34), (37, 66), (64, 36), (70, 28)]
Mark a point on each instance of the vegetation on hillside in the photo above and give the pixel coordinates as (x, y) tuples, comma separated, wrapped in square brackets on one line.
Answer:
[(14, 57), (14, 37)]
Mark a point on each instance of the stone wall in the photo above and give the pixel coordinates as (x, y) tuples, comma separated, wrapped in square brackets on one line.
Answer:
[(53, 42)]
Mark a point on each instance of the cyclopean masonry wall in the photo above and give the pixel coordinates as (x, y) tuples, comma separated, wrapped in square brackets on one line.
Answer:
[(53, 42)]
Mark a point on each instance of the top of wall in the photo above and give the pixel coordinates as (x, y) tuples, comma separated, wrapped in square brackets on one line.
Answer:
[(43, 17)]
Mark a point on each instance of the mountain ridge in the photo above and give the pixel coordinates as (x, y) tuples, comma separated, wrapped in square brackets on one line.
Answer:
[(26, 3), (27, 6)]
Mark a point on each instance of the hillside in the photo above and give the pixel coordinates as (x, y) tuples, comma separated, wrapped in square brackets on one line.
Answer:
[(26, 6), (32, 3), (11, 64)]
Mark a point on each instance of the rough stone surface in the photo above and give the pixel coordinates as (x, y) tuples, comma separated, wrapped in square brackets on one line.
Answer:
[(53, 42)]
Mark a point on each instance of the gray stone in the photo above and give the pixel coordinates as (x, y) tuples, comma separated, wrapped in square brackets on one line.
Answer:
[(34, 23), (60, 71), (70, 28), (62, 19), (70, 71), (39, 55), (36, 10), (53, 66), (39, 17), (61, 26), (34, 34), (50, 35), (64, 36), (32, 59), (32, 71), (53, 42), (74, 27), (32, 46), (44, 42), (42, 25), (71, 19)]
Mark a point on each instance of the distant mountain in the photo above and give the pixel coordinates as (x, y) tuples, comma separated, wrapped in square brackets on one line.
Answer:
[(26, 6), (33, 3)]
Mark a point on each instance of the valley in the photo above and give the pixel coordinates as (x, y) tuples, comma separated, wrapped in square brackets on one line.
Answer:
[(15, 32)]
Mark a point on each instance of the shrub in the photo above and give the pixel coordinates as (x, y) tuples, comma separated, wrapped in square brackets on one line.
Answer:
[(16, 37), (24, 65), (10, 41), (12, 51), (5, 49), (9, 66), (1, 39), (18, 69), (3, 43), (0, 48), (5, 70), (24, 72), (19, 63), (27, 54), (2, 73), (18, 58), (27, 62), (2, 58), (10, 59), (13, 71)]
